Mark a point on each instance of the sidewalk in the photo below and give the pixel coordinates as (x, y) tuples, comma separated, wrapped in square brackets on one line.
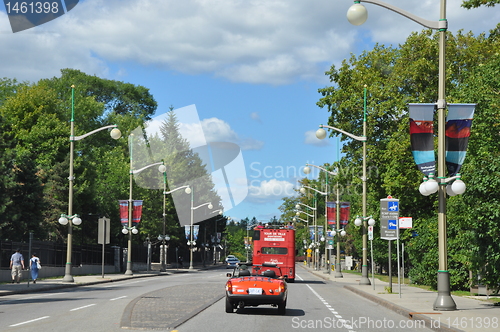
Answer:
[(57, 283), (472, 315)]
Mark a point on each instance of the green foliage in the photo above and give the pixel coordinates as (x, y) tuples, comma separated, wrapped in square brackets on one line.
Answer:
[(393, 78), (477, 3)]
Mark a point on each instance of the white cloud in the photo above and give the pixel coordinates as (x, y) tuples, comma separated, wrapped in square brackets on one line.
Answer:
[(217, 130), (311, 139), (267, 192), (256, 117), (256, 41)]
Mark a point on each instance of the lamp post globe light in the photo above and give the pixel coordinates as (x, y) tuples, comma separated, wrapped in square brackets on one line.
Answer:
[(357, 15), (321, 134), (70, 219)]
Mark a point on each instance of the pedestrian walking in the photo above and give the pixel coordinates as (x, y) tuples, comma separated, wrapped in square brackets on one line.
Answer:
[(16, 265), (34, 267)]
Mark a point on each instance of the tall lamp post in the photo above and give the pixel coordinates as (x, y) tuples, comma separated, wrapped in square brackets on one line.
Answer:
[(164, 237), (69, 218), (321, 134), (357, 15), (191, 241), (313, 216), (221, 212), (130, 229), (307, 170), (303, 191)]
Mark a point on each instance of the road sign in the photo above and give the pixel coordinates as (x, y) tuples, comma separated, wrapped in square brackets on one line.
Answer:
[(389, 218), (104, 227), (405, 222)]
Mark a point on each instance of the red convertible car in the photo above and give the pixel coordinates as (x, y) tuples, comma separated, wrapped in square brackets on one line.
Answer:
[(251, 286)]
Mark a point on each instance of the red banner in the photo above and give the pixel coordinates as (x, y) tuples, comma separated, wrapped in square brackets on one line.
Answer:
[(331, 210), (123, 212), (136, 212)]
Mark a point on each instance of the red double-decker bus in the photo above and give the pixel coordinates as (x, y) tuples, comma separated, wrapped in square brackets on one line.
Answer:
[(275, 246)]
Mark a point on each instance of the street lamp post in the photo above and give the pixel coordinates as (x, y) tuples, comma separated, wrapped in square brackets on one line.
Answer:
[(221, 212), (303, 190), (164, 237), (307, 170), (357, 15), (70, 218), (313, 216), (130, 229), (321, 134), (191, 241)]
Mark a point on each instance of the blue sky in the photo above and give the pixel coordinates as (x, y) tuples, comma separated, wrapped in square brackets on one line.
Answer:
[(251, 67)]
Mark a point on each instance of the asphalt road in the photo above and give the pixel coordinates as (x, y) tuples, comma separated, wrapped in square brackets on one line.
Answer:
[(194, 302), (313, 305)]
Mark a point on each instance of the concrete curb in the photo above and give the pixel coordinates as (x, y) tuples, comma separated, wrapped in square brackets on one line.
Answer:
[(429, 322)]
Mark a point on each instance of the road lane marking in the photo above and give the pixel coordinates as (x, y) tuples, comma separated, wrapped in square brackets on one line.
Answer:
[(85, 306), (117, 298), (328, 306), (29, 321)]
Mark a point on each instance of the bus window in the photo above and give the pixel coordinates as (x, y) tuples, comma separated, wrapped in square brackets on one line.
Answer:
[(274, 251)]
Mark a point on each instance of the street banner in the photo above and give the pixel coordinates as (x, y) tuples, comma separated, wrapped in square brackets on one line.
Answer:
[(187, 231), (320, 231), (422, 136), (136, 212), (196, 229), (311, 232), (331, 210), (458, 125), (123, 212)]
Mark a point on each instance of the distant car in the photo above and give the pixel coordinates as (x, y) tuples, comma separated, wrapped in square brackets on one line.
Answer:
[(231, 263), (230, 256), (259, 286)]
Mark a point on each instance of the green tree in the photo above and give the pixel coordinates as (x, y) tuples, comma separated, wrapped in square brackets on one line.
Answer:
[(478, 3), (395, 77)]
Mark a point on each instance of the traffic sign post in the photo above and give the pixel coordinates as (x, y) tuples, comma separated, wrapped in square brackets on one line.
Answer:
[(370, 237), (389, 229), (103, 237), (389, 216)]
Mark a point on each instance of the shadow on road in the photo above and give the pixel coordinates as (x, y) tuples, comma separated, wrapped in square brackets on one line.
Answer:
[(269, 311)]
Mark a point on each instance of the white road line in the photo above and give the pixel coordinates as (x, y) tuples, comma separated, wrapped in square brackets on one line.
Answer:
[(125, 283), (339, 317), (85, 306), (29, 321), (117, 298)]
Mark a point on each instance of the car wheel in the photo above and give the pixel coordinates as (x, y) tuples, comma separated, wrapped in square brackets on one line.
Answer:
[(229, 306), (282, 308)]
